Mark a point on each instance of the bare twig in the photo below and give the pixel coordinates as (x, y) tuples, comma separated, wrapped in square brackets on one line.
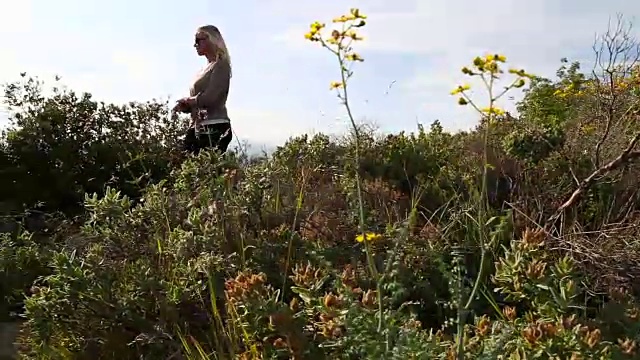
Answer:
[(628, 155), (617, 53)]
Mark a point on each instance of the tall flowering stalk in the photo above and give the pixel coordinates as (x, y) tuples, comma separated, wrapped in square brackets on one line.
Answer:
[(340, 43)]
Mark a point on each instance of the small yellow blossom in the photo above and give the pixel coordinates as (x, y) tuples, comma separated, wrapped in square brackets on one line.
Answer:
[(344, 18), (521, 72), (493, 110), (356, 13), (336, 85), (354, 57), (332, 41), (312, 35), (460, 89), (370, 236), (354, 35), (495, 57), (467, 71)]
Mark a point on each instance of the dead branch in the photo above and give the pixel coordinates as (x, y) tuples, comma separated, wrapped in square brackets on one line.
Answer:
[(628, 155), (616, 54)]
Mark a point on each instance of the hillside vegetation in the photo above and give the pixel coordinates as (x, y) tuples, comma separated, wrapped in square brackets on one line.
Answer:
[(518, 239)]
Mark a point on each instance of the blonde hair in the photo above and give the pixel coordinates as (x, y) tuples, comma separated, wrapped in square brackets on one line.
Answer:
[(215, 38)]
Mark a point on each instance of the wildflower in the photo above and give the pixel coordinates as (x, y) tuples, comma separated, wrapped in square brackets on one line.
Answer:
[(354, 57), (533, 238), (465, 70), (331, 300), (312, 35), (462, 101), (333, 41), (460, 89), (535, 270), (532, 334), (336, 85), (493, 110), (344, 18), (369, 299), (356, 13), (521, 72), (628, 346), (519, 83), (369, 237), (479, 62), (348, 277), (593, 338), (483, 326), (492, 67), (354, 35), (331, 330), (509, 312), (495, 57)]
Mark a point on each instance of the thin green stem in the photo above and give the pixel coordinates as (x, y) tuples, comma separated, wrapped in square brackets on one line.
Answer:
[(356, 132)]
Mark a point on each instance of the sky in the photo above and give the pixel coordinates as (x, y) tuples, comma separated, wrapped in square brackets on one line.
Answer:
[(125, 50)]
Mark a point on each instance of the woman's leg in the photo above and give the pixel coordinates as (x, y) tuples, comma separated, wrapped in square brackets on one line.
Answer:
[(217, 136), (190, 141)]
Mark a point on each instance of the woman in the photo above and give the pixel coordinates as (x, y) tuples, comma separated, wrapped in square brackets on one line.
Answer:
[(207, 103)]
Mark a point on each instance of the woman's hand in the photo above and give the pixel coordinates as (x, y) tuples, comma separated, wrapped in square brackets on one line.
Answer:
[(178, 107), (188, 101), (184, 105)]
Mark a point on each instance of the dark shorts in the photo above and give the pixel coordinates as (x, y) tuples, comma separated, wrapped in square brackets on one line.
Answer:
[(216, 136)]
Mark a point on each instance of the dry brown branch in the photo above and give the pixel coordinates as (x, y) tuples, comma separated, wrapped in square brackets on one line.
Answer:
[(617, 52), (628, 155)]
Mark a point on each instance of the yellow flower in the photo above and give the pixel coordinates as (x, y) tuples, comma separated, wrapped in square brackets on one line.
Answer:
[(354, 35), (496, 57), (369, 236), (521, 72), (344, 18), (312, 35), (493, 110), (317, 26), (333, 41), (336, 85), (467, 71), (354, 57), (479, 62), (519, 83), (356, 13), (492, 67), (460, 89)]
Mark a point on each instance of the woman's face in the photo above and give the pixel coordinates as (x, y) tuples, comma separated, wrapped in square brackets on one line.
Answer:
[(202, 44)]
